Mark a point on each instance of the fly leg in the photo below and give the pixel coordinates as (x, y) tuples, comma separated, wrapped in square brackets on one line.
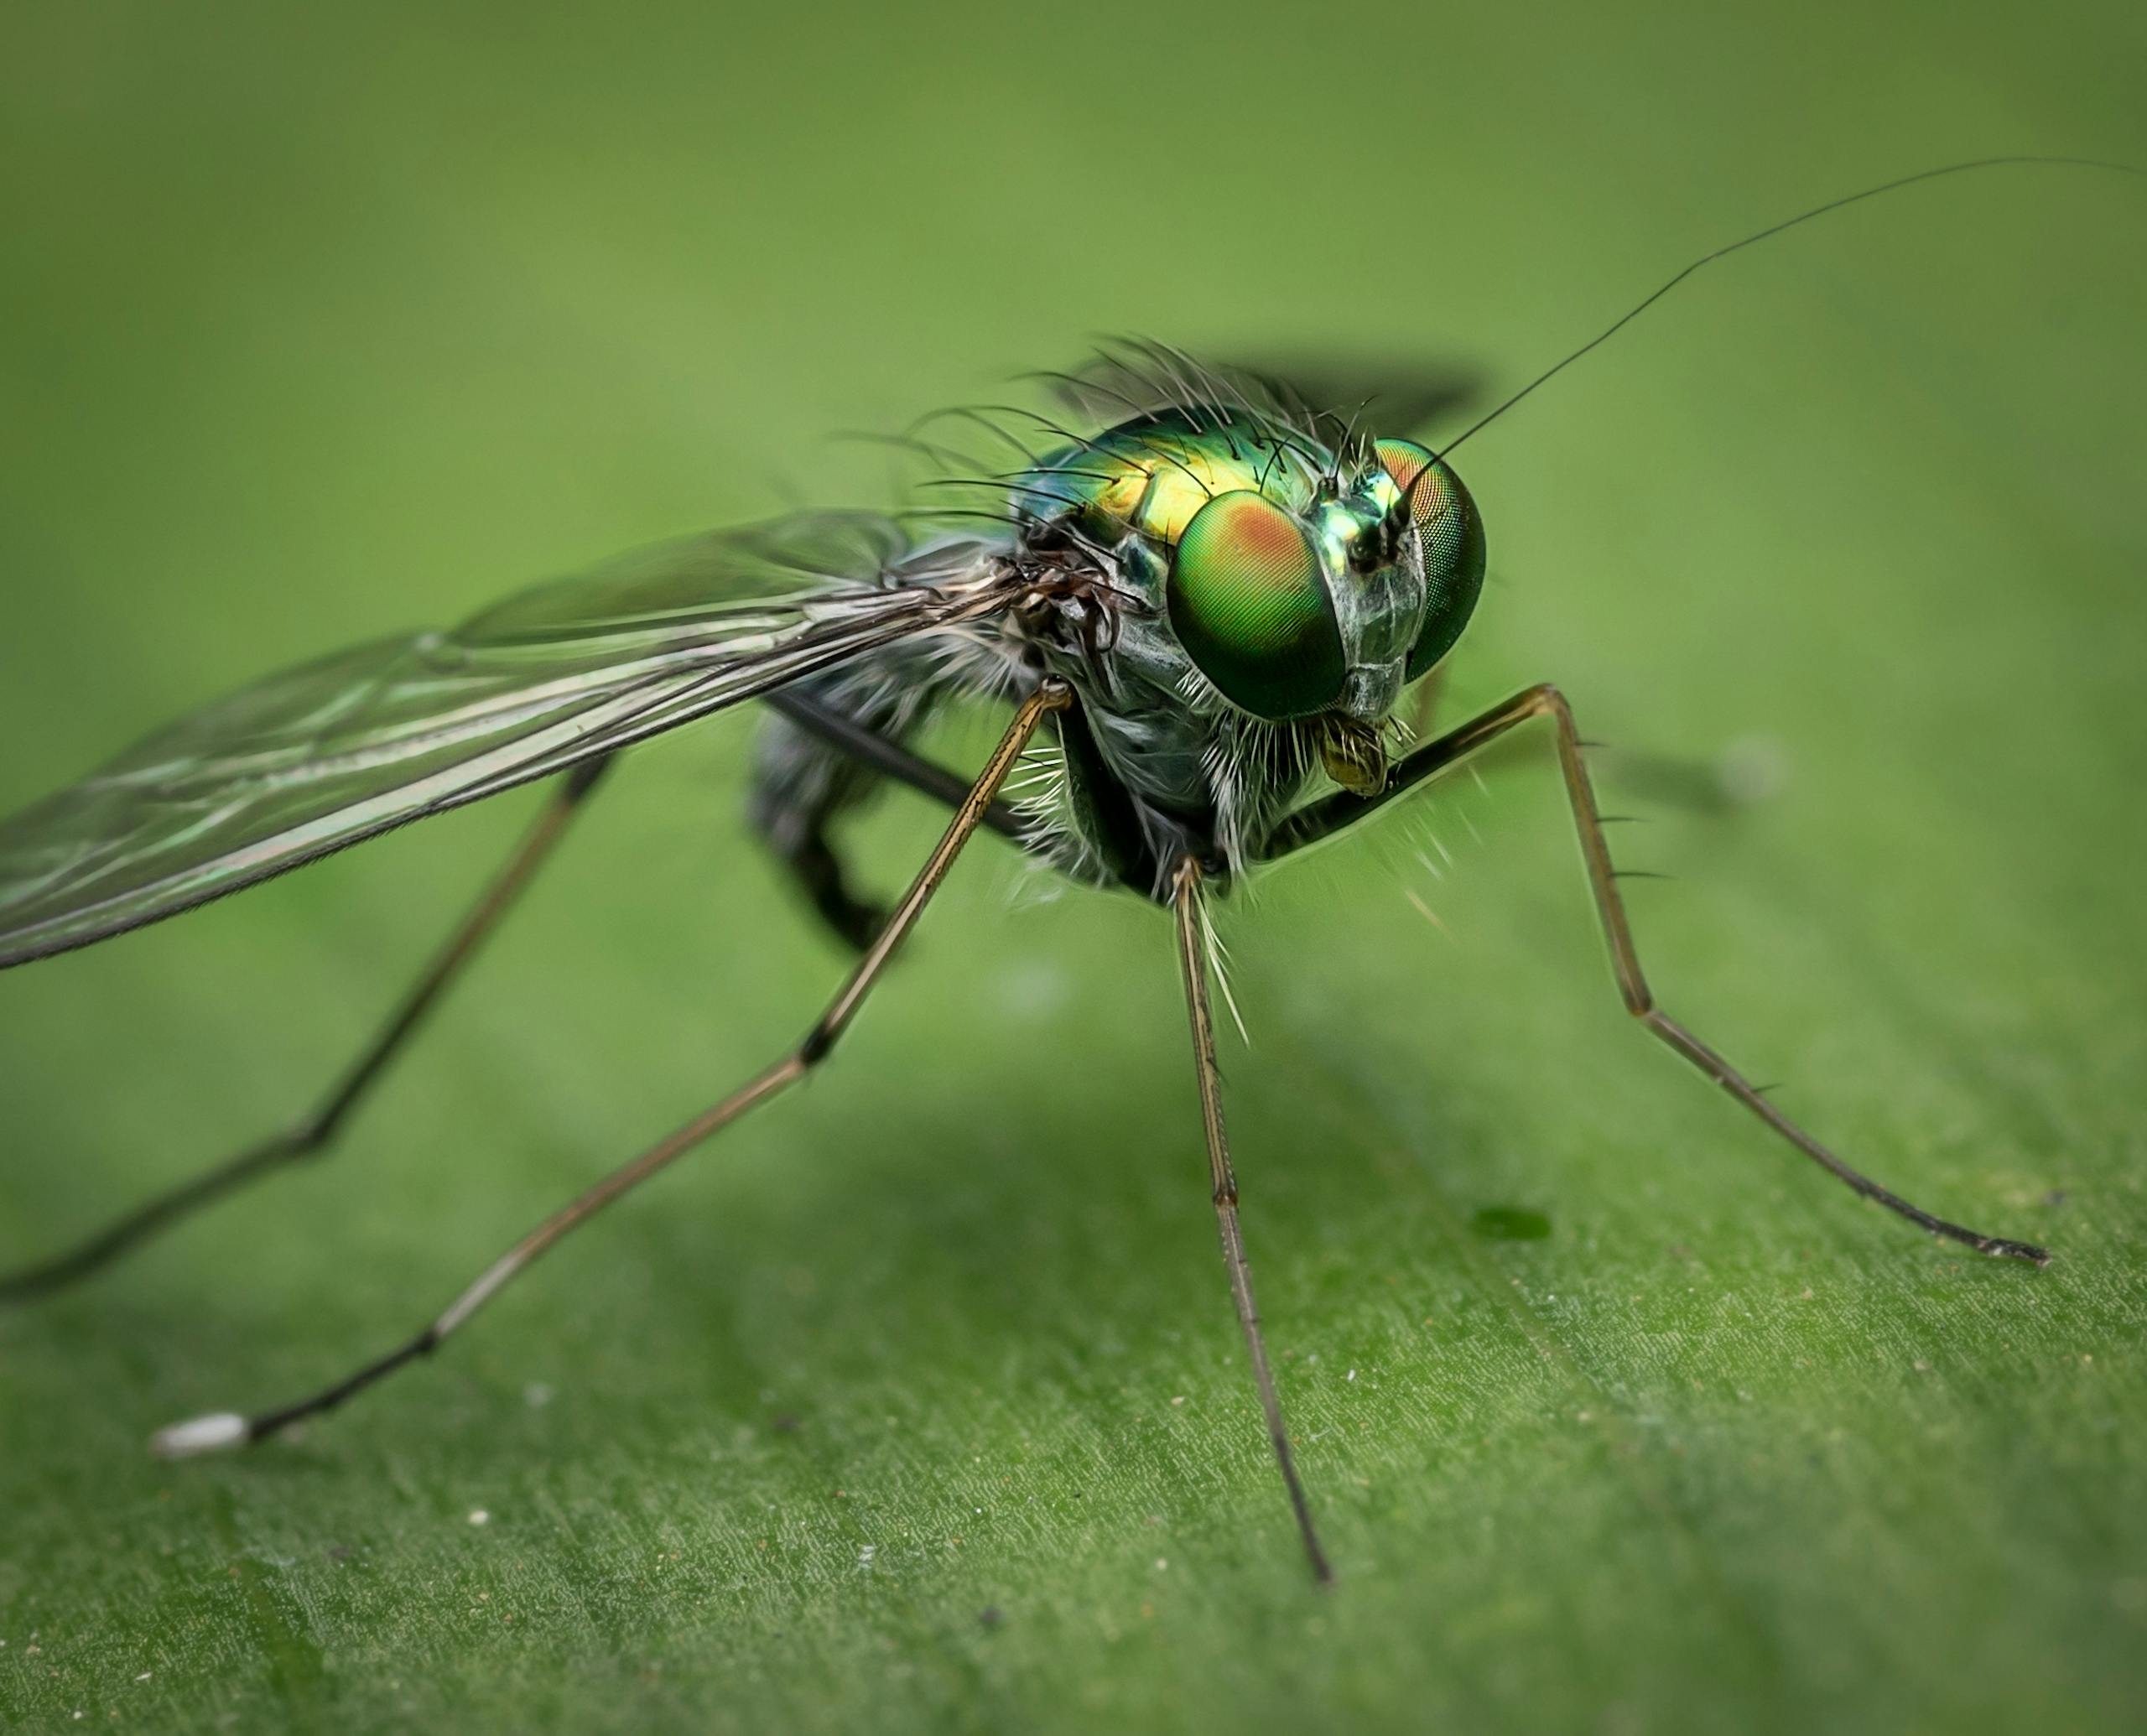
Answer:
[(826, 884), (1192, 958), (203, 1434), (1324, 818), (802, 782), (1719, 784), (312, 1135)]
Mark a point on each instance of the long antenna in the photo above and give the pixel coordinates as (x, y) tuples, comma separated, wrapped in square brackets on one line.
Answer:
[(1640, 307)]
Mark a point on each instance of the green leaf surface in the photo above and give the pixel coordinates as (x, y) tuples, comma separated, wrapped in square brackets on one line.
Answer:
[(917, 1404)]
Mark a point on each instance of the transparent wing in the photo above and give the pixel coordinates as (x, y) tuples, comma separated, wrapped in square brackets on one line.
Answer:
[(318, 757)]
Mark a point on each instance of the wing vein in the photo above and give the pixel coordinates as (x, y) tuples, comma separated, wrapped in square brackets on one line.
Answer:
[(318, 757)]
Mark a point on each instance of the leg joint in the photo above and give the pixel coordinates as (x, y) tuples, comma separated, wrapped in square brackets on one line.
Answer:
[(311, 1138), (1548, 698)]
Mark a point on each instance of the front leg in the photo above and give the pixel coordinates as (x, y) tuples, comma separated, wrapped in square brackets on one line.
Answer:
[(1323, 819), (1223, 1181)]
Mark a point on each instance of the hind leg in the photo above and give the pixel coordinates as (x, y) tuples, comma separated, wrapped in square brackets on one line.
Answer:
[(317, 1131)]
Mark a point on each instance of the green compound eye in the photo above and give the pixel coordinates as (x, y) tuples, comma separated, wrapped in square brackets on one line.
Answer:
[(1453, 536), (1248, 602)]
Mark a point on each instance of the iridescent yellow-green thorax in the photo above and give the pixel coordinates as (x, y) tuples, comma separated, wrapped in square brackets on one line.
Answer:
[(1149, 479)]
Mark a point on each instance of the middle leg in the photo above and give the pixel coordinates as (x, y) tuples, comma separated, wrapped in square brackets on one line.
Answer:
[(204, 1434)]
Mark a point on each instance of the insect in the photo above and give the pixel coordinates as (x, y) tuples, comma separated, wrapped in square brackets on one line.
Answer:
[(1212, 602)]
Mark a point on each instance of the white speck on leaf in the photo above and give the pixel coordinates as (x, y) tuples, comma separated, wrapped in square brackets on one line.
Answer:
[(199, 1434)]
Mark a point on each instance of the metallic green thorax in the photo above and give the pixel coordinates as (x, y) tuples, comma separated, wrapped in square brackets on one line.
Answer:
[(1152, 476)]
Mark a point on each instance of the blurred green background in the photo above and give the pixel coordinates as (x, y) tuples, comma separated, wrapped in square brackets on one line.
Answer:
[(918, 1403)]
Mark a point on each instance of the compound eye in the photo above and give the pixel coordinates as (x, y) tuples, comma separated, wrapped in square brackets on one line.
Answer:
[(1248, 601), (1452, 537)]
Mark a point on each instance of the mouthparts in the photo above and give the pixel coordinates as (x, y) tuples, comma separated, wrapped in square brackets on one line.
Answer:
[(1353, 754)]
